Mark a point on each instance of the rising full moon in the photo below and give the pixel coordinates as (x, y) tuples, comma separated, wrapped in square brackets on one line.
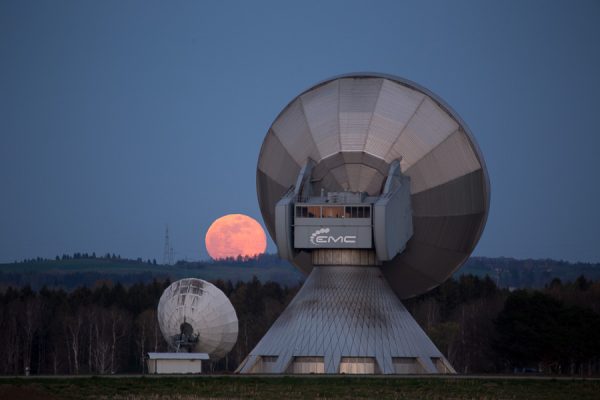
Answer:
[(235, 235)]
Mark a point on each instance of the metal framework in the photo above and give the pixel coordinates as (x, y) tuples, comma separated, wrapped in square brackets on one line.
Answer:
[(168, 254)]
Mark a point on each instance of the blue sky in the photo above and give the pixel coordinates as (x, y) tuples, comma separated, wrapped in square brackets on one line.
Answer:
[(118, 117)]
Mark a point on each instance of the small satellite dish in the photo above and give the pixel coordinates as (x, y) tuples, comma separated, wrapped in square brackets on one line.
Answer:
[(195, 316)]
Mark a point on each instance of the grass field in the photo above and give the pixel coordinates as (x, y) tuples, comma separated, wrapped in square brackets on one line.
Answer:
[(206, 387)]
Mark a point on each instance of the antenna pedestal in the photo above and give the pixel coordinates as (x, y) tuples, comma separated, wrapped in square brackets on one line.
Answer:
[(345, 319)]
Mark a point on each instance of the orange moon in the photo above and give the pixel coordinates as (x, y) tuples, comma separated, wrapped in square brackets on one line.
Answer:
[(235, 235)]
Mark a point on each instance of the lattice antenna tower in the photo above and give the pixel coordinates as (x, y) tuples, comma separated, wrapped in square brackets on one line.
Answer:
[(168, 250)]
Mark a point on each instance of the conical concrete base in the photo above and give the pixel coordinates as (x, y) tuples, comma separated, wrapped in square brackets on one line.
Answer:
[(345, 319)]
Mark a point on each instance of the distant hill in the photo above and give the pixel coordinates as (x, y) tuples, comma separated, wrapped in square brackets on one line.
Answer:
[(70, 272), (509, 272)]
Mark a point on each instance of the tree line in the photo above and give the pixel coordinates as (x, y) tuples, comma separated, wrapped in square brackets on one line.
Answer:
[(480, 328), (484, 329), (70, 271), (84, 256), (255, 260)]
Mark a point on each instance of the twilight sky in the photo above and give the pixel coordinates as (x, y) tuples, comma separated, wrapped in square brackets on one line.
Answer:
[(118, 117)]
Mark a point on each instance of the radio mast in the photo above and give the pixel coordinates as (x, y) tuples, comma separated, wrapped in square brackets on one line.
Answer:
[(168, 251)]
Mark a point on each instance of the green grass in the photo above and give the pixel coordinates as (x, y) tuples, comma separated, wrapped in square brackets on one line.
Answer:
[(204, 387)]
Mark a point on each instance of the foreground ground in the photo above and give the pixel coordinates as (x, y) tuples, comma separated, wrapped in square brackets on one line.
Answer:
[(235, 387)]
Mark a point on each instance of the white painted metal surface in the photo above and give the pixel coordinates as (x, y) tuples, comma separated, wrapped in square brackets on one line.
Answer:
[(353, 127), (178, 356), (341, 314), (175, 363), (321, 109), (206, 309)]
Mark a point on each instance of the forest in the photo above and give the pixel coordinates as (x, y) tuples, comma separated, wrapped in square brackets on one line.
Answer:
[(85, 269), (108, 328)]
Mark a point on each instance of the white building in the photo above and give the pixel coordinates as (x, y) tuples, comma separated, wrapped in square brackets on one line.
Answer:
[(175, 363)]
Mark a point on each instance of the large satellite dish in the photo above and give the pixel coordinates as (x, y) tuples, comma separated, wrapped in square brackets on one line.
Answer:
[(195, 316), (353, 127), (374, 188)]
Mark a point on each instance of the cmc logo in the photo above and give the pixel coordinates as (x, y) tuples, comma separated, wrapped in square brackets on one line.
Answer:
[(320, 237)]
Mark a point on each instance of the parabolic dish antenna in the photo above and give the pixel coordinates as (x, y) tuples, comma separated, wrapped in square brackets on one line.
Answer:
[(196, 316), (353, 127), (373, 187)]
